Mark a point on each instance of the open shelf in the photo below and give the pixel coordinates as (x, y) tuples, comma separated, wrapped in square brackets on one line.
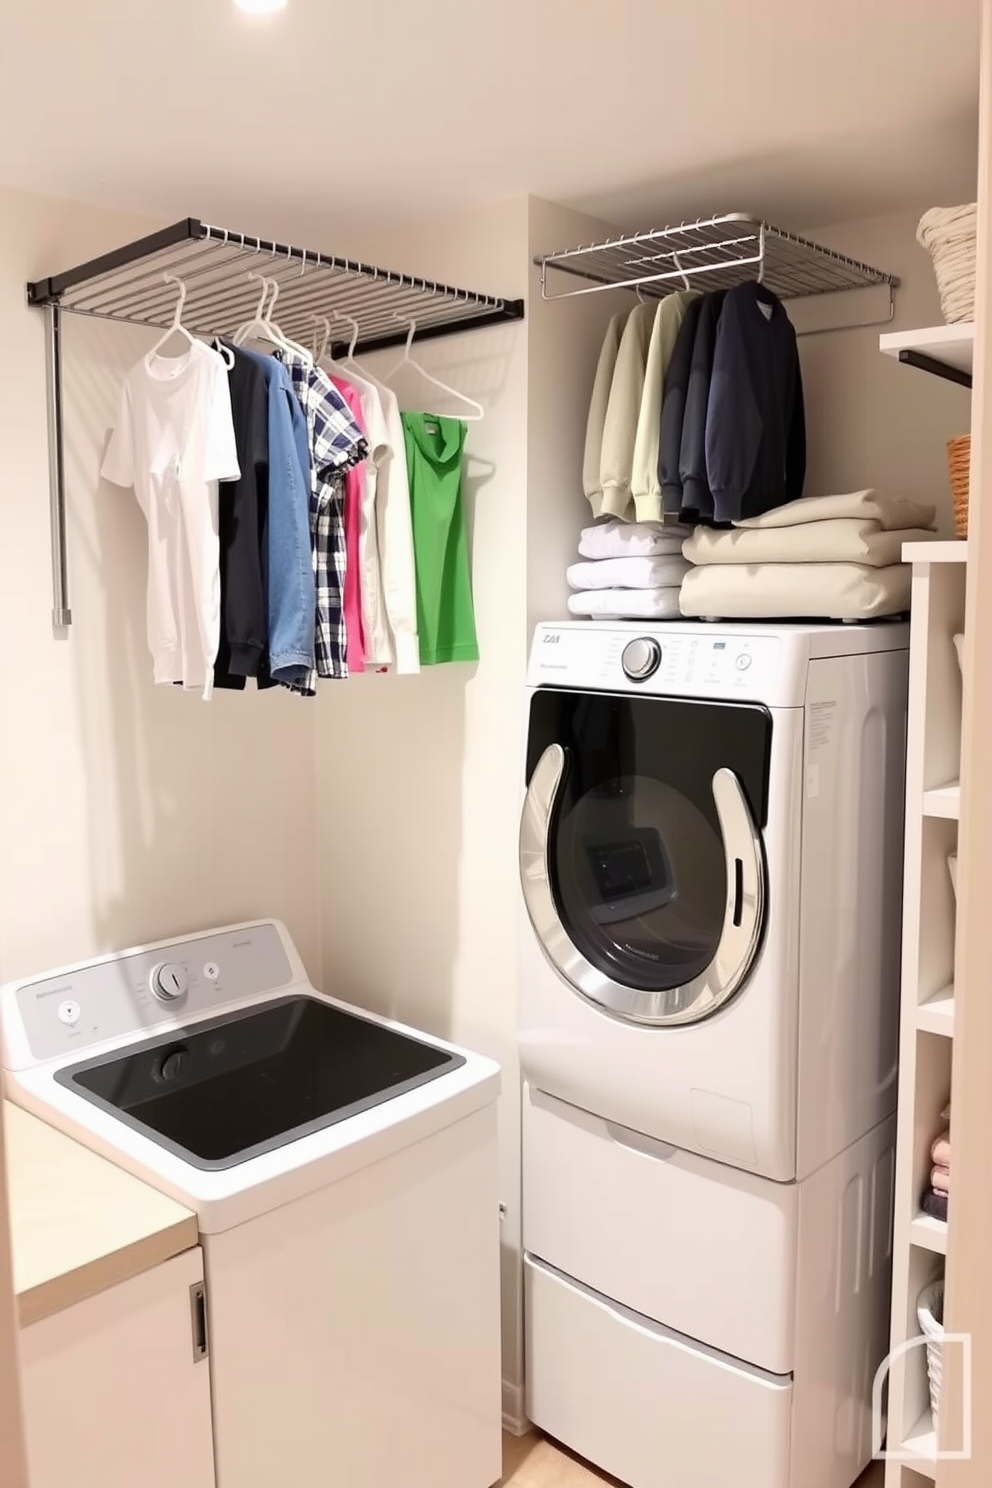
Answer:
[(922, 1442), (945, 351), (942, 550), (929, 1234), (936, 1015), (944, 801)]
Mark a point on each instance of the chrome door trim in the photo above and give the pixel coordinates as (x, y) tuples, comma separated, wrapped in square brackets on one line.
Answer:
[(738, 943)]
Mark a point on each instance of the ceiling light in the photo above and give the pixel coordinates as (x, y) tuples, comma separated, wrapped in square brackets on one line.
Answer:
[(261, 7)]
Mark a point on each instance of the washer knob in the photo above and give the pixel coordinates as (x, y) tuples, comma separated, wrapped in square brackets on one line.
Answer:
[(168, 981), (641, 658)]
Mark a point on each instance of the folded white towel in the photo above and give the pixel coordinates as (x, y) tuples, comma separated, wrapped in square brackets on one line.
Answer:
[(615, 539), (894, 513), (836, 540), (765, 591), (627, 604), (628, 573)]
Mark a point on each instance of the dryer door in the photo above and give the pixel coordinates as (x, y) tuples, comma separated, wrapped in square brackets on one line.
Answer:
[(640, 848)]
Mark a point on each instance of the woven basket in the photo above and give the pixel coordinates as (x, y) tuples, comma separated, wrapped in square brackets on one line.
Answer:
[(948, 234), (959, 465), (930, 1311)]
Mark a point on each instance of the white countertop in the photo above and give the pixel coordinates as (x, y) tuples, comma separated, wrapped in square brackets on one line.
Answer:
[(80, 1225)]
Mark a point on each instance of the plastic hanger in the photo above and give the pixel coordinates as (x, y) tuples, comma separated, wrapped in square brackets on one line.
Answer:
[(406, 360), (262, 326), (177, 327)]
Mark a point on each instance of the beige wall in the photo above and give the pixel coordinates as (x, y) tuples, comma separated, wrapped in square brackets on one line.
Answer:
[(127, 812), (870, 421)]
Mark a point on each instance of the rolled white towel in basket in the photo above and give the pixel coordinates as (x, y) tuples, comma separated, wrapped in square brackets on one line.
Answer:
[(930, 1312)]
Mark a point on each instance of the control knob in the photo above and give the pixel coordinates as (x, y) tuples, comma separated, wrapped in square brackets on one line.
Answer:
[(641, 658), (168, 981)]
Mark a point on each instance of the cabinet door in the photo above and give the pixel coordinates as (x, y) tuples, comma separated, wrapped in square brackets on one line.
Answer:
[(112, 1393)]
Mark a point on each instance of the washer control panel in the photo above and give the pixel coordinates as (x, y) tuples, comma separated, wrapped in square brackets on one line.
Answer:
[(697, 661), (142, 990)]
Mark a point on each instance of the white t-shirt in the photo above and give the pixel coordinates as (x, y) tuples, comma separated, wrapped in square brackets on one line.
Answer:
[(173, 441)]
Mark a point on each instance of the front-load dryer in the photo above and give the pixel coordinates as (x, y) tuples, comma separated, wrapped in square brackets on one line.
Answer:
[(711, 864)]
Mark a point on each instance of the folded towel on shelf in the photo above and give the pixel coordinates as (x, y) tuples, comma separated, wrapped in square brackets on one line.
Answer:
[(616, 539), (941, 1150), (831, 591), (628, 573), (836, 540), (940, 1180), (626, 604), (935, 1204), (894, 513)]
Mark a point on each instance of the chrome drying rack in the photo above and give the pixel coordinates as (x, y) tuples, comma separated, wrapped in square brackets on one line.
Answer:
[(128, 285), (714, 253)]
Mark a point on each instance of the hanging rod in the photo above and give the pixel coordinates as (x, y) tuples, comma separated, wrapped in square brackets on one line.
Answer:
[(713, 253), (128, 286)]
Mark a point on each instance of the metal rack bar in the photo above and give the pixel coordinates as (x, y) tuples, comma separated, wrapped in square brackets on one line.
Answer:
[(924, 363), (128, 286)]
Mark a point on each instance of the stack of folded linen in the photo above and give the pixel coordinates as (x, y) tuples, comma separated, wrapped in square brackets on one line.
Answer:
[(634, 571), (830, 557), (935, 1198)]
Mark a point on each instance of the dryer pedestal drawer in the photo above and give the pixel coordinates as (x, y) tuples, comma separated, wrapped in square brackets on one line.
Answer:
[(646, 1404), (701, 1247)]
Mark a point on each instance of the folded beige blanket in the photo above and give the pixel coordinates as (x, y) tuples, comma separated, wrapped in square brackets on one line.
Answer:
[(835, 540), (940, 1179), (766, 591), (894, 513), (941, 1150)]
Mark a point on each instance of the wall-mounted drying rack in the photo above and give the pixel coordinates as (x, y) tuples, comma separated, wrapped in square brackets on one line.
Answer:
[(128, 286), (714, 253)]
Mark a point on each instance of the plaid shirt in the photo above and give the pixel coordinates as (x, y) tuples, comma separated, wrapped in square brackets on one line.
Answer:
[(336, 444)]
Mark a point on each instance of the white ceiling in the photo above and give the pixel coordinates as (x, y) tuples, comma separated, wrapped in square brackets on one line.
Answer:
[(368, 113)]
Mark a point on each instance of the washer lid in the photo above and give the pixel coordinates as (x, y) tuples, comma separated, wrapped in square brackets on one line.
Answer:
[(234, 1087)]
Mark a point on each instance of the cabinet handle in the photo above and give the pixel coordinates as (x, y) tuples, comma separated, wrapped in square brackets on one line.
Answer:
[(198, 1320)]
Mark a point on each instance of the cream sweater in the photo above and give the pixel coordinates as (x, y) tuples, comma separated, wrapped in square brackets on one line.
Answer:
[(591, 483), (616, 460), (645, 486)]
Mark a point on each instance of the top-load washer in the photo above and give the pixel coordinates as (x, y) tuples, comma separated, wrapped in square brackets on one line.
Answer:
[(343, 1170), (711, 864)]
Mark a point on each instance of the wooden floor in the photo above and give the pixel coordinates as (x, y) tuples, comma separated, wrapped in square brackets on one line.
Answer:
[(531, 1462)]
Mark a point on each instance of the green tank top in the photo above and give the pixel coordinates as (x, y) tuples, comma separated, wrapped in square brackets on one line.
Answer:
[(445, 615)]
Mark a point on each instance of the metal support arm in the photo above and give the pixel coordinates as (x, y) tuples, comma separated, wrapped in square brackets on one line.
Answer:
[(61, 613)]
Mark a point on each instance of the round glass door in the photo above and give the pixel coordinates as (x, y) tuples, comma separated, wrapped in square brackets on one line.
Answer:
[(641, 855)]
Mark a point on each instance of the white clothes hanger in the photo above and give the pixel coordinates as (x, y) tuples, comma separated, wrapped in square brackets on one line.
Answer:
[(406, 360), (177, 327), (262, 326)]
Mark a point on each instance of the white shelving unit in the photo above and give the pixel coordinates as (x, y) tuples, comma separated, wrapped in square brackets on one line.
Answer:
[(946, 351), (927, 1027)]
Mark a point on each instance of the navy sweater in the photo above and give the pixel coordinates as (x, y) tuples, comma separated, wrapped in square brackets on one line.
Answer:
[(755, 419)]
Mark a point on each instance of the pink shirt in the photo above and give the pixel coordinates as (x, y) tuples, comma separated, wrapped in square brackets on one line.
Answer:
[(354, 491)]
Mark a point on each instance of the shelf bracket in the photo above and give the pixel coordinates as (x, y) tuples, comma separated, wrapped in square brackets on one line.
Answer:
[(930, 364), (61, 613)]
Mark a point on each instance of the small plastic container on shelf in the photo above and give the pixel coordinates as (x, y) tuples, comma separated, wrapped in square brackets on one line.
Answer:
[(930, 1312)]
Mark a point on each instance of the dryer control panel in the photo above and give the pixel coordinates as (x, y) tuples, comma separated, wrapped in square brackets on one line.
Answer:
[(699, 662), (137, 991)]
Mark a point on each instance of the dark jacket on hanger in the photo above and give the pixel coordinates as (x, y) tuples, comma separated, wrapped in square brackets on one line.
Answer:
[(673, 411), (755, 420), (696, 498), (242, 516)]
